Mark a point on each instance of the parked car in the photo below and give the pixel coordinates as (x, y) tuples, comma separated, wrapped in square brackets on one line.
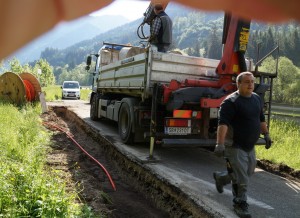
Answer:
[(71, 89)]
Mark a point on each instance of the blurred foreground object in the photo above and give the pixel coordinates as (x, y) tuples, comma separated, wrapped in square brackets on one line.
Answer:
[(262, 10), (22, 21)]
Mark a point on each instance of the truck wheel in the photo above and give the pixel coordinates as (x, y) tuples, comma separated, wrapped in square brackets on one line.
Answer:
[(125, 125), (94, 108)]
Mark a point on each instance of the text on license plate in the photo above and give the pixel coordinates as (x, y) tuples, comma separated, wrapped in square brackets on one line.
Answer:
[(178, 130)]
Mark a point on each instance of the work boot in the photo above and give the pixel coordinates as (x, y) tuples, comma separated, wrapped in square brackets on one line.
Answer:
[(241, 209), (221, 179)]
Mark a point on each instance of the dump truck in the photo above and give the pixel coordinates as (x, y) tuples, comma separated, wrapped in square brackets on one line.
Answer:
[(169, 98)]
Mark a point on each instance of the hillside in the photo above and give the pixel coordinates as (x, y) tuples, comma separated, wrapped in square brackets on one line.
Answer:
[(195, 33), (67, 34), (183, 20)]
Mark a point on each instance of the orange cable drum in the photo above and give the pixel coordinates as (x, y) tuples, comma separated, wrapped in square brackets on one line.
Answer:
[(30, 92), (19, 88)]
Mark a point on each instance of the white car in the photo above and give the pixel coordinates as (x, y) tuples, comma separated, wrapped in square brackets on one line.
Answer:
[(70, 89)]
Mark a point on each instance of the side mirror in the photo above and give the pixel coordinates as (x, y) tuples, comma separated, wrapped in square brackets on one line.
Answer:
[(61, 87), (89, 60), (88, 63)]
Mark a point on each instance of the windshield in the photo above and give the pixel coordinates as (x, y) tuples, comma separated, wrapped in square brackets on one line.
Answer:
[(71, 85)]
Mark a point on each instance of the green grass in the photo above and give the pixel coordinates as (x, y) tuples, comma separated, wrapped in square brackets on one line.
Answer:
[(53, 93), (27, 187), (285, 148)]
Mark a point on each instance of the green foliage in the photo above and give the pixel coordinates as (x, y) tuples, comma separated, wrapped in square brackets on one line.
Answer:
[(46, 77), (214, 48), (268, 36), (26, 189), (84, 93), (287, 84), (78, 73), (15, 66), (53, 93), (285, 148)]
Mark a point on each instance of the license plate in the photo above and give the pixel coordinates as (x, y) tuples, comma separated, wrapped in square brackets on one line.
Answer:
[(178, 130), (71, 95)]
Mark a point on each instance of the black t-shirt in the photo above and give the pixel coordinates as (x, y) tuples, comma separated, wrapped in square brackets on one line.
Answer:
[(244, 115)]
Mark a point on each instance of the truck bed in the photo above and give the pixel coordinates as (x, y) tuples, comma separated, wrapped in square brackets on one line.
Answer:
[(136, 75)]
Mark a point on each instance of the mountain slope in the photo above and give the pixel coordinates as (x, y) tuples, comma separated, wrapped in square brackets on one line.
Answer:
[(67, 34)]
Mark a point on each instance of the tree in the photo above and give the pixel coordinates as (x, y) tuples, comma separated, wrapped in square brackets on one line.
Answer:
[(78, 74), (214, 49), (63, 77), (47, 77), (294, 40), (27, 68), (293, 91), (197, 49), (270, 40), (288, 74), (15, 66), (2, 68), (285, 85)]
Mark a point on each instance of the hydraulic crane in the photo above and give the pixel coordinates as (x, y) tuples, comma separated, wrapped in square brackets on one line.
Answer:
[(171, 98)]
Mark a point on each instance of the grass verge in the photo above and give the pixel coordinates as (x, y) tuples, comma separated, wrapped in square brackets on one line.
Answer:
[(27, 187), (53, 93), (285, 148)]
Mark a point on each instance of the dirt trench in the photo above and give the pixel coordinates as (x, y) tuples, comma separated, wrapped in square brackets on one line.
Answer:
[(139, 193)]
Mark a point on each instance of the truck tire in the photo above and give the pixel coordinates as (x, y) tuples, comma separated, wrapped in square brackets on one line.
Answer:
[(94, 108), (125, 125)]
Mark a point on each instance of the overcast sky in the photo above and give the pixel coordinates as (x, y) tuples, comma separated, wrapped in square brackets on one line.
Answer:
[(131, 9)]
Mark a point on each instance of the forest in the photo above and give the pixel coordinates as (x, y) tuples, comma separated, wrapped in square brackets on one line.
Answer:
[(195, 34)]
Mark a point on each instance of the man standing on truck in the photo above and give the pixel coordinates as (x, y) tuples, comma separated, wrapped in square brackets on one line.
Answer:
[(241, 121), (161, 29)]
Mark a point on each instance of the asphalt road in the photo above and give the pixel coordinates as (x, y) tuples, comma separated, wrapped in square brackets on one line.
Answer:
[(190, 169), (288, 108)]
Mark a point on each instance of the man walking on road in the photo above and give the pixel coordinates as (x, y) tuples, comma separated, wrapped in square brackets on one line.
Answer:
[(241, 121)]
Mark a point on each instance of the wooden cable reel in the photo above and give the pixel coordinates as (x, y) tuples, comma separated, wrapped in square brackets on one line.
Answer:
[(19, 89)]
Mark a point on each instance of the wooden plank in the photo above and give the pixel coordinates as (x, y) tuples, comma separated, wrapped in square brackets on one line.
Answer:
[(43, 102)]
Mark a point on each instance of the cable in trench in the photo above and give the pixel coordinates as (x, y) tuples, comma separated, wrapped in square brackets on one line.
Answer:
[(81, 148)]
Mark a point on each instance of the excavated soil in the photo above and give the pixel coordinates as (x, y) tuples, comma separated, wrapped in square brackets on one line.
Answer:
[(279, 169), (138, 194), (80, 172)]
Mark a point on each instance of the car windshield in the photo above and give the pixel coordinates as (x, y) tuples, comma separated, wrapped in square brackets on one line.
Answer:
[(71, 85)]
